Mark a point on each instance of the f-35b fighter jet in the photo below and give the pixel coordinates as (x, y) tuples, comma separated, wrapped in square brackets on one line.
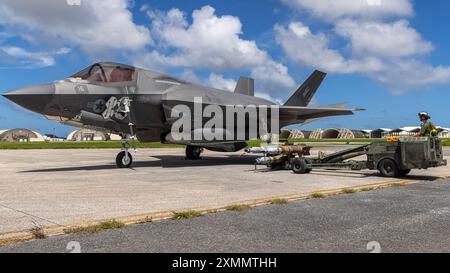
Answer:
[(151, 106)]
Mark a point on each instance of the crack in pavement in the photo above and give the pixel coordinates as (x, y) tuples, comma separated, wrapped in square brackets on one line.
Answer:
[(31, 215)]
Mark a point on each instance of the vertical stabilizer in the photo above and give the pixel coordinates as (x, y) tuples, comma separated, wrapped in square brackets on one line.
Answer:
[(245, 86), (304, 94)]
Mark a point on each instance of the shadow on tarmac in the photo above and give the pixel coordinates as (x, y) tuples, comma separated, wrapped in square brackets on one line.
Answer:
[(374, 174), (173, 161), (166, 161)]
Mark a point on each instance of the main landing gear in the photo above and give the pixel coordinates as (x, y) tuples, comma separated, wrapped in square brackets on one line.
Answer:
[(124, 159), (193, 152)]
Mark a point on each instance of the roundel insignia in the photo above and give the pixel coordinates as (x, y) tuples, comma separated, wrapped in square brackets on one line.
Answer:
[(99, 106)]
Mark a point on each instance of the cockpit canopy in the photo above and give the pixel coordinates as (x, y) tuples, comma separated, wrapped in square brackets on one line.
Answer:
[(107, 73)]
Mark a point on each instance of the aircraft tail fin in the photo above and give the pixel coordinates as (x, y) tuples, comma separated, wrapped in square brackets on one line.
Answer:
[(245, 86), (304, 94)]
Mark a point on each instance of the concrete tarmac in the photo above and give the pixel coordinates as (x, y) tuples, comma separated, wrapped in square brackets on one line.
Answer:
[(414, 218), (60, 188)]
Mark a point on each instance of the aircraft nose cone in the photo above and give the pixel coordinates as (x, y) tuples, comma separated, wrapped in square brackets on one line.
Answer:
[(34, 98)]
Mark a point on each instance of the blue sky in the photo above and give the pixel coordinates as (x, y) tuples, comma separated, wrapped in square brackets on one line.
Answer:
[(390, 57)]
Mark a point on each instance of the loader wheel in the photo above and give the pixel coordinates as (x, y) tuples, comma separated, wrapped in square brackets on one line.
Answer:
[(308, 162), (300, 166), (388, 168)]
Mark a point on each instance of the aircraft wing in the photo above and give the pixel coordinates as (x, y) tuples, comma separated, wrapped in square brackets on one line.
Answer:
[(290, 115)]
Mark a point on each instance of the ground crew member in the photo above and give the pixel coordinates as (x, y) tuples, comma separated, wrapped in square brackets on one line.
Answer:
[(428, 128)]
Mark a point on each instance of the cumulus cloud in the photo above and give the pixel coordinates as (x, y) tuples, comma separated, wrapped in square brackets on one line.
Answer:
[(170, 40), (272, 75), (303, 46), (209, 42), (95, 25), (387, 50), (268, 97), (20, 57), (190, 76), (219, 82), (330, 10), (396, 39), (412, 74)]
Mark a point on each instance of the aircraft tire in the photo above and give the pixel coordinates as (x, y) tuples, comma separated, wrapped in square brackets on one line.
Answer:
[(193, 152), (123, 162)]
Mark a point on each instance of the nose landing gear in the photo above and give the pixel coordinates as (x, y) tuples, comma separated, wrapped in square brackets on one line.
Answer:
[(120, 109), (124, 159)]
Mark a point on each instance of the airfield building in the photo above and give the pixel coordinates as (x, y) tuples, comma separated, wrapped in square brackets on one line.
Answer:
[(20, 135), (91, 135), (380, 133), (443, 132), (405, 131), (334, 133)]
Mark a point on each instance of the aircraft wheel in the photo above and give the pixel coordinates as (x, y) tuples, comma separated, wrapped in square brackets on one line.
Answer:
[(124, 161), (300, 166), (388, 168), (193, 152)]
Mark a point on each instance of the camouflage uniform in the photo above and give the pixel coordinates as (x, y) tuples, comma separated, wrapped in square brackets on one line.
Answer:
[(428, 129)]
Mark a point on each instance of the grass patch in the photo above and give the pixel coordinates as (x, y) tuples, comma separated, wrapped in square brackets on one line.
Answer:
[(278, 201), (111, 224), (178, 215), (145, 220), (116, 144), (367, 189), (38, 233), (254, 143), (86, 229), (362, 140), (400, 184), (317, 195), (349, 191), (238, 207), (141, 145), (80, 145), (257, 143), (214, 211)]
